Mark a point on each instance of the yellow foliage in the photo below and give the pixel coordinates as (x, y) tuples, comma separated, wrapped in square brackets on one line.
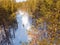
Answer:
[(46, 11)]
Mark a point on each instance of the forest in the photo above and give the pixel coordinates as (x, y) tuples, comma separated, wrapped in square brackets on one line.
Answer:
[(45, 16)]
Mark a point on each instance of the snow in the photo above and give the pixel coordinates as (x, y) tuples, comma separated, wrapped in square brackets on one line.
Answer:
[(20, 0), (20, 34)]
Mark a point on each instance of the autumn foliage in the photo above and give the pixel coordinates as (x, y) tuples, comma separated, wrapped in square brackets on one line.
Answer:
[(46, 11)]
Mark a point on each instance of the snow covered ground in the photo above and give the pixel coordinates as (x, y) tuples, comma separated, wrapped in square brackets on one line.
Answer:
[(20, 34), (23, 26)]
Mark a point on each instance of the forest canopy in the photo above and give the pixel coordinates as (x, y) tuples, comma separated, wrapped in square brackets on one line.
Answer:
[(7, 20), (47, 11)]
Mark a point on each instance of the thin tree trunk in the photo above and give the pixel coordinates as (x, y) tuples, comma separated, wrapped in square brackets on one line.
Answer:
[(14, 33), (6, 34)]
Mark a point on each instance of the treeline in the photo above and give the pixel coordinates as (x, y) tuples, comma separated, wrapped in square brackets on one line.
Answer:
[(45, 11), (8, 21)]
